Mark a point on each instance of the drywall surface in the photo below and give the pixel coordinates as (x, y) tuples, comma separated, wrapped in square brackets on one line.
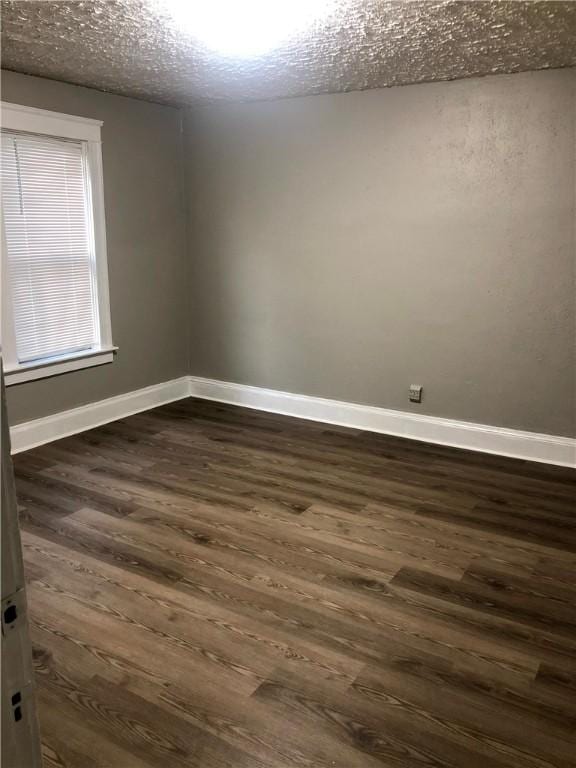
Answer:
[(145, 227), (349, 245), (342, 246)]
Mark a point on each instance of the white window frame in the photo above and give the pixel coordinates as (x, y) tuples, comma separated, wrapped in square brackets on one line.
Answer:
[(40, 121)]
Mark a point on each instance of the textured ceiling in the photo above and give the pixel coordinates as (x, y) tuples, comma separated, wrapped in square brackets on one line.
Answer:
[(133, 47)]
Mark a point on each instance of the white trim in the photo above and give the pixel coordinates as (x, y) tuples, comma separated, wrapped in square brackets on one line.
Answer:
[(32, 433), (16, 117), (41, 369), (431, 429), (532, 446), (98, 221)]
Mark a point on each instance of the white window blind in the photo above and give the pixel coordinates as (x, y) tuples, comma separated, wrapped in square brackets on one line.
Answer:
[(49, 245)]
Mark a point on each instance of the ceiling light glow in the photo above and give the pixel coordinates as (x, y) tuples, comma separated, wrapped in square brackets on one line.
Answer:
[(244, 28)]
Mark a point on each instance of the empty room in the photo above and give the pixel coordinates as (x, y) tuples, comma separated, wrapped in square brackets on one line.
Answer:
[(288, 383)]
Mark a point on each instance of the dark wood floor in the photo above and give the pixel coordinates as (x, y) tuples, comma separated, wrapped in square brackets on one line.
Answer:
[(212, 586)]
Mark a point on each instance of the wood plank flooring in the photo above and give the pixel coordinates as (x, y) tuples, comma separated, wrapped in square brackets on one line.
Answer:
[(211, 586)]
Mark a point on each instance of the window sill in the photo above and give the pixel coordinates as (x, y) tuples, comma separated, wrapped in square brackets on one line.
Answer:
[(41, 369)]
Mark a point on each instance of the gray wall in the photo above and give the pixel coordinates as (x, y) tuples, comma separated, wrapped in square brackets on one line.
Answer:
[(146, 246), (348, 245), (343, 246)]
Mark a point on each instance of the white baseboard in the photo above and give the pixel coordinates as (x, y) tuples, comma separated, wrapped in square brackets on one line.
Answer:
[(459, 434), (39, 431), (431, 429)]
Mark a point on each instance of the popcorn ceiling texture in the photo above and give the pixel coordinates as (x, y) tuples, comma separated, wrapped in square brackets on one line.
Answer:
[(134, 48)]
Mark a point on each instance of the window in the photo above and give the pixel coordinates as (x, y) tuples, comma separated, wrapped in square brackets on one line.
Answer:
[(55, 313)]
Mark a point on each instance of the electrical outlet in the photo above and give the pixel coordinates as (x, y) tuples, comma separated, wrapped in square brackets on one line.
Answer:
[(415, 393)]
